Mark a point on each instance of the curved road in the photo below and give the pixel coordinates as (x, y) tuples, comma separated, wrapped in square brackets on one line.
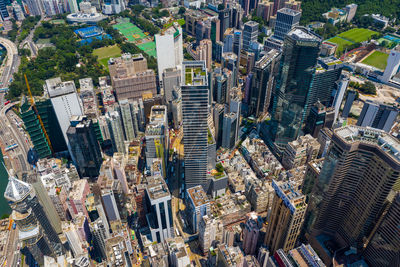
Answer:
[(11, 65)]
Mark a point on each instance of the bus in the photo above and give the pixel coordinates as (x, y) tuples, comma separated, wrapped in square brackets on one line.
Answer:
[(11, 147)]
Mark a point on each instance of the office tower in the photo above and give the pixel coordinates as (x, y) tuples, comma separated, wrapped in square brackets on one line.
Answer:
[(84, 146), (351, 96), (340, 89), (383, 246), (264, 10), (378, 116), (230, 130), (130, 77), (159, 213), (156, 136), (194, 115), (287, 216), (251, 233), (392, 66), (300, 151), (73, 6), (100, 234), (300, 53), (237, 42), (204, 52), (65, 102), (218, 118), (323, 82), (265, 71), (34, 7), (218, 49), (203, 31), (34, 129), (250, 34), (359, 171), (224, 18), (116, 131), (286, 20), (127, 120), (113, 6), (171, 78), (229, 61), (210, 230), (30, 232), (3, 10), (198, 205), (228, 42), (169, 48), (319, 117)]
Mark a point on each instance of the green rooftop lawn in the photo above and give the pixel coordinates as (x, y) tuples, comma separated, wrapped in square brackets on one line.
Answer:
[(377, 59)]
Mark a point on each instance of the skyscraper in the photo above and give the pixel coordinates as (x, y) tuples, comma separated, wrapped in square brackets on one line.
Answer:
[(230, 130), (286, 20), (300, 53), (116, 131), (287, 217), (34, 7), (265, 71), (384, 245), (358, 173), (3, 10), (204, 52), (393, 63), (195, 127), (351, 96), (237, 42), (251, 233), (125, 109), (250, 34), (84, 146), (169, 49), (377, 115)]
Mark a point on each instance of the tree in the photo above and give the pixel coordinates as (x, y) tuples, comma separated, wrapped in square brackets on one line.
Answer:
[(182, 10), (368, 88)]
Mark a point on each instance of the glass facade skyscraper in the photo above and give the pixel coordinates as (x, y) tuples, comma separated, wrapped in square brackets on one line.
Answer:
[(195, 127), (299, 57)]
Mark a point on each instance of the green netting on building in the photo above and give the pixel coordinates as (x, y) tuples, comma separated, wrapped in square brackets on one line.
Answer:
[(34, 129), (97, 130)]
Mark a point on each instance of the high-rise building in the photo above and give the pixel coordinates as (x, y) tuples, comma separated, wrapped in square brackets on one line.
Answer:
[(204, 52), (171, 78), (251, 233), (73, 6), (125, 109), (159, 214), (230, 130), (351, 96), (286, 20), (319, 117), (65, 102), (384, 244), (300, 53), (392, 66), (100, 234), (237, 42), (130, 77), (351, 11), (116, 131), (195, 127), (210, 230), (157, 136), (265, 10), (34, 7), (34, 129), (379, 116), (198, 205), (359, 171), (30, 232), (32, 220), (287, 217), (265, 71), (53, 7), (113, 6), (250, 34), (169, 49), (3, 10), (84, 146), (340, 89)]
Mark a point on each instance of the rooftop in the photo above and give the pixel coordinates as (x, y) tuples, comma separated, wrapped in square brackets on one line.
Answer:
[(16, 189), (289, 11), (195, 73), (387, 143), (303, 34), (157, 188), (55, 87), (292, 198), (198, 196)]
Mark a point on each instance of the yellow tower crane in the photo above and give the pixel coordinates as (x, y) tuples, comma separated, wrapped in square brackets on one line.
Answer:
[(37, 114)]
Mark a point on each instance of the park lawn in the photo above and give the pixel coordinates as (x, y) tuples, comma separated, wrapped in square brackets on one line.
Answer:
[(357, 35), (340, 43), (377, 59), (105, 53)]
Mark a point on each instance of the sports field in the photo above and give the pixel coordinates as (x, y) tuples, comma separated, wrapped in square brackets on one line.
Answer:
[(134, 34), (340, 42), (357, 35), (105, 53), (377, 59)]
